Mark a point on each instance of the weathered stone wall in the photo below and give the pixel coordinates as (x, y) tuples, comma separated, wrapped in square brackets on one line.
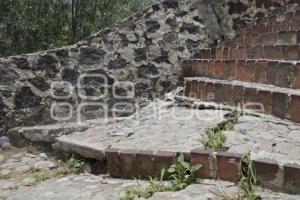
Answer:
[(145, 49)]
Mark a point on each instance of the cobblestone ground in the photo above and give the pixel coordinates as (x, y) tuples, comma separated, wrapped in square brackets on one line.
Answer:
[(19, 181)]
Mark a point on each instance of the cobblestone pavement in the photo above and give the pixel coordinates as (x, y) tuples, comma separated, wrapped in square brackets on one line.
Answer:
[(90, 187)]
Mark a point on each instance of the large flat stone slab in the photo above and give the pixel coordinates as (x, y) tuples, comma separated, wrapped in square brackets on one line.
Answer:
[(159, 126)]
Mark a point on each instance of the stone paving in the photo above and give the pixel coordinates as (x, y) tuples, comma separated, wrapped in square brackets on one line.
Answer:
[(161, 125), (18, 167), (90, 187)]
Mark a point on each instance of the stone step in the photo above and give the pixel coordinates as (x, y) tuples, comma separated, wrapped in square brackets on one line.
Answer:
[(279, 73), (272, 52), (277, 101), (21, 136)]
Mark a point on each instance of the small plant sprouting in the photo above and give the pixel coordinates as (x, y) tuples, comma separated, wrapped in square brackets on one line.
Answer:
[(72, 165), (4, 177), (248, 181), (34, 169), (181, 174), (214, 137)]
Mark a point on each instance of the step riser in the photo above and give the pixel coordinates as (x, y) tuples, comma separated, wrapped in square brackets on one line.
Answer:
[(128, 163), (278, 52), (265, 72), (278, 104)]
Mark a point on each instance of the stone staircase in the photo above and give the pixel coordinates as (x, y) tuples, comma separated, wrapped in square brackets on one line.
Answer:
[(260, 67)]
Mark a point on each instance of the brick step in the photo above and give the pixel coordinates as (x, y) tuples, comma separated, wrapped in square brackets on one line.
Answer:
[(280, 102), (277, 52), (265, 39), (279, 73), (283, 19)]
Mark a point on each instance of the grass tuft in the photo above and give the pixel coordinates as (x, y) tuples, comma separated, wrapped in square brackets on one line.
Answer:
[(181, 174)]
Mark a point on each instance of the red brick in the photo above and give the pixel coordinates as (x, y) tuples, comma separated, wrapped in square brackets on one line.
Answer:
[(196, 70), (113, 162), (278, 53), (249, 97), (277, 26), (219, 53), (194, 88), (254, 52), (249, 70), (247, 40), (228, 166), (294, 108), (265, 98), (203, 158), (258, 29), (225, 53), (296, 76), (128, 164), (268, 52), (210, 68), (241, 53), (240, 41), (261, 68), (198, 91), (266, 171), (239, 72), (295, 24), (291, 52), (237, 94), (284, 74), (232, 53), (219, 69), (201, 89), (229, 69), (227, 94), (279, 104), (187, 68), (268, 39), (163, 160), (145, 164), (187, 90), (218, 91), (208, 93), (287, 38), (269, 27), (272, 72), (292, 178), (213, 53), (204, 67)]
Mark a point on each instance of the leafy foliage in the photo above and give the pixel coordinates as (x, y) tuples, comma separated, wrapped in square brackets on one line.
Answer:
[(181, 174), (31, 25)]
